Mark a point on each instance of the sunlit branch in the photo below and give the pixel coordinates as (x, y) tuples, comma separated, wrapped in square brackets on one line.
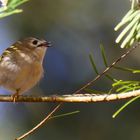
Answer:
[(78, 98)]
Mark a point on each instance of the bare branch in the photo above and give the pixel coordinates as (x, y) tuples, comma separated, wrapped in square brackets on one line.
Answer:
[(40, 124), (87, 98), (78, 98), (134, 46)]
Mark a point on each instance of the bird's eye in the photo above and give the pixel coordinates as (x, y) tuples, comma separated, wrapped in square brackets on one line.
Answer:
[(35, 42)]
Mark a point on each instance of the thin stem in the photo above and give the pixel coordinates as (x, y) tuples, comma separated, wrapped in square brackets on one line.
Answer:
[(108, 68), (40, 124)]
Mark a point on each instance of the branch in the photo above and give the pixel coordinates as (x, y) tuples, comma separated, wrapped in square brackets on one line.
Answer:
[(134, 46), (74, 98), (40, 124)]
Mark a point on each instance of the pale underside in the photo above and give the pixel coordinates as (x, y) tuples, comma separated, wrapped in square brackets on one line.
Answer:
[(19, 75)]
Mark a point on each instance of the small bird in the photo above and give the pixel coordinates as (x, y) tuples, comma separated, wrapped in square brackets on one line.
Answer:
[(21, 65)]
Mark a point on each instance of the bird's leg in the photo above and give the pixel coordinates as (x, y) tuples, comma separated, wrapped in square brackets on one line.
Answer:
[(15, 95)]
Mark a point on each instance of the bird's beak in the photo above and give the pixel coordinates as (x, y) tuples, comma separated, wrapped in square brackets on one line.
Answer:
[(49, 44), (45, 44)]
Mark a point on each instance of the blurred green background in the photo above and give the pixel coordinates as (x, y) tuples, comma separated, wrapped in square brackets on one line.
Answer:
[(76, 28)]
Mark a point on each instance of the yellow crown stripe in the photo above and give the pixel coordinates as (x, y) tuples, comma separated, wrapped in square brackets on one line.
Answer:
[(0, 58), (7, 51), (13, 47)]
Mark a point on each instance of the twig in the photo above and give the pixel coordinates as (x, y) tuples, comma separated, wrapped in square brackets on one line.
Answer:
[(135, 45), (40, 124), (74, 98)]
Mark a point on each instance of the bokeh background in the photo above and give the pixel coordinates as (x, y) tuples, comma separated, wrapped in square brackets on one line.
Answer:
[(76, 29)]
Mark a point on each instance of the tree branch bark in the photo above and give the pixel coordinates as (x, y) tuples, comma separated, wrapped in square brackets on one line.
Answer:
[(73, 98)]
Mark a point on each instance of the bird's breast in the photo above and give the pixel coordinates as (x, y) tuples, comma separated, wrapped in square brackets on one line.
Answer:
[(29, 76)]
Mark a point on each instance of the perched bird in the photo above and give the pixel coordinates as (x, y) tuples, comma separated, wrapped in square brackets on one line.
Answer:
[(21, 65)]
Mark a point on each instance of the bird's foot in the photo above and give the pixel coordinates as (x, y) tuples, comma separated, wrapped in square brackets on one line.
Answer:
[(15, 96)]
